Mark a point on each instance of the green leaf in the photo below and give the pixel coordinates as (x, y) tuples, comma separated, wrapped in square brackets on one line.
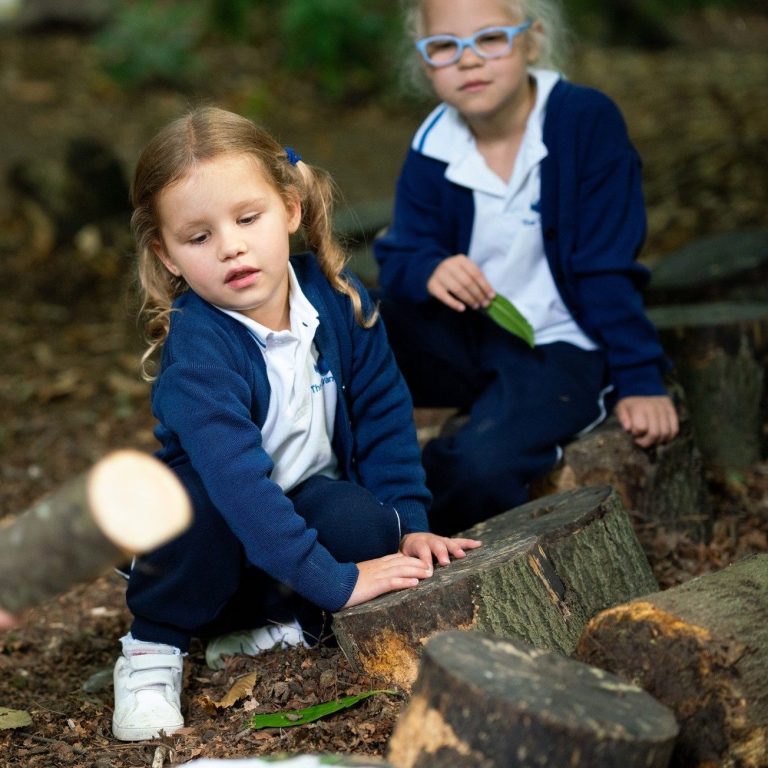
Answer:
[(504, 312), (310, 714), (14, 718)]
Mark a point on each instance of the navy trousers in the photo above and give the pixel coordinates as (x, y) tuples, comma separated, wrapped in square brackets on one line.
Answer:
[(521, 405), (201, 585)]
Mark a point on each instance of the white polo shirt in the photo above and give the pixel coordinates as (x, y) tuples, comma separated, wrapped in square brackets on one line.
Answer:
[(507, 241), (298, 430)]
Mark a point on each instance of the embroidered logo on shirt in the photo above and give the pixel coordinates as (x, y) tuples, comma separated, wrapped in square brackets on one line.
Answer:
[(325, 378), (535, 208)]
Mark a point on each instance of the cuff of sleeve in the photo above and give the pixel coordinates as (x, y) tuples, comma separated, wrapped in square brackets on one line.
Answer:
[(425, 271), (348, 578), (639, 381), (413, 517)]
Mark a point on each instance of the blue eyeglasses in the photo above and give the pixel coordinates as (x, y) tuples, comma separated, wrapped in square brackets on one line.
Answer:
[(488, 43)]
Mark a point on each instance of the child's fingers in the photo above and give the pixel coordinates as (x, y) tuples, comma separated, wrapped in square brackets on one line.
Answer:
[(439, 550), (386, 574), (457, 547), (424, 552), (650, 420), (458, 282)]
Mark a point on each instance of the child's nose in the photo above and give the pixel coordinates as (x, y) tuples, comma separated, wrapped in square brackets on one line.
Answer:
[(233, 245), (469, 58)]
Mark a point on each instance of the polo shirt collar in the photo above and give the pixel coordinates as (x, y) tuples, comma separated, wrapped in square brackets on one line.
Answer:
[(445, 136), (304, 317)]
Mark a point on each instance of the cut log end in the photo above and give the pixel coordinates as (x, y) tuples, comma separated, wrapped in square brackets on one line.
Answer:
[(137, 501), (483, 701), (700, 648)]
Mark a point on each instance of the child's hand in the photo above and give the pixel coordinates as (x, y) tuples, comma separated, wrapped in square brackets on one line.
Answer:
[(387, 574), (650, 420), (459, 283), (425, 546)]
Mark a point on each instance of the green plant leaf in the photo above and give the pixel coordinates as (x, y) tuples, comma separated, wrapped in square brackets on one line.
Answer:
[(14, 718), (506, 314), (302, 716)]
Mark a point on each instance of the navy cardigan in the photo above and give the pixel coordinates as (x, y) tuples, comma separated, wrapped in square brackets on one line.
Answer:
[(593, 223), (211, 398)]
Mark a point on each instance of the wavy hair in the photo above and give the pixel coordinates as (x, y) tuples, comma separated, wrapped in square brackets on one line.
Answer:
[(203, 135)]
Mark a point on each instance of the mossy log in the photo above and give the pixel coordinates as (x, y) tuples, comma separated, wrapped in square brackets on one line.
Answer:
[(722, 267), (544, 569), (701, 648), (662, 486), (720, 353), (126, 504), (484, 702)]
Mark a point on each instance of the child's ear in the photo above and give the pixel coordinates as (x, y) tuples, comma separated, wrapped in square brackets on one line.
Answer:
[(159, 250), (294, 215), (533, 48)]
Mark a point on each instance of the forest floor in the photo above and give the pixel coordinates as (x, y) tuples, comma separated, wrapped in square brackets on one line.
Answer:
[(69, 389)]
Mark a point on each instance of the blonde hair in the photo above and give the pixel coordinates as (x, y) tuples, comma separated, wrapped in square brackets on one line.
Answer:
[(550, 33), (202, 135)]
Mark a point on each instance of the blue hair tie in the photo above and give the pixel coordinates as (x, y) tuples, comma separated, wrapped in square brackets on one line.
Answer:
[(293, 157)]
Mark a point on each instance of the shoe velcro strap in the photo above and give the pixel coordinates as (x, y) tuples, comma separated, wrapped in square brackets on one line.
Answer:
[(149, 678), (142, 661)]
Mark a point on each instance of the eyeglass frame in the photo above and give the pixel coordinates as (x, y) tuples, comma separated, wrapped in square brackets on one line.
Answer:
[(462, 43)]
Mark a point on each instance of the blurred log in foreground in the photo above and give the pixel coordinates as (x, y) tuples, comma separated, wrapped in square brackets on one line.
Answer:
[(126, 504)]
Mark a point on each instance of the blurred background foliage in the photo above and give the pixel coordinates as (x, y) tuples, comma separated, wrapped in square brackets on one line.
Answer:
[(347, 49)]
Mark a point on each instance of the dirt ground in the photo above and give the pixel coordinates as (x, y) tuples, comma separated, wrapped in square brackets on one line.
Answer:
[(69, 389)]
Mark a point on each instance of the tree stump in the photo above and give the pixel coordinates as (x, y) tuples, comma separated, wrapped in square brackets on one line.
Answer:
[(484, 702), (722, 267), (545, 568), (701, 648), (128, 503), (720, 352), (661, 486)]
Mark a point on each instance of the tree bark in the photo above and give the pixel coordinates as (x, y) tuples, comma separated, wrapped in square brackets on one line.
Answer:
[(544, 570), (700, 648), (126, 504), (663, 485), (483, 702), (720, 352)]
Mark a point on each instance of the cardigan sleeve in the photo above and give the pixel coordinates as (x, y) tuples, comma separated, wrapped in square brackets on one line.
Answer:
[(386, 449), (203, 397), (601, 230), (419, 236)]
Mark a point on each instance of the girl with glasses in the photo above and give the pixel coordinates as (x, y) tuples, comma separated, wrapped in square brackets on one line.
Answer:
[(279, 407), (523, 185)]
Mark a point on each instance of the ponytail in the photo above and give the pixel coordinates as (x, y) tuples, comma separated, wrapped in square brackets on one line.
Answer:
[(317, 223)]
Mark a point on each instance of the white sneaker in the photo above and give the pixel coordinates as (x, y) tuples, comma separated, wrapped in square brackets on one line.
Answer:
[(147, 691), (251, 642)]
